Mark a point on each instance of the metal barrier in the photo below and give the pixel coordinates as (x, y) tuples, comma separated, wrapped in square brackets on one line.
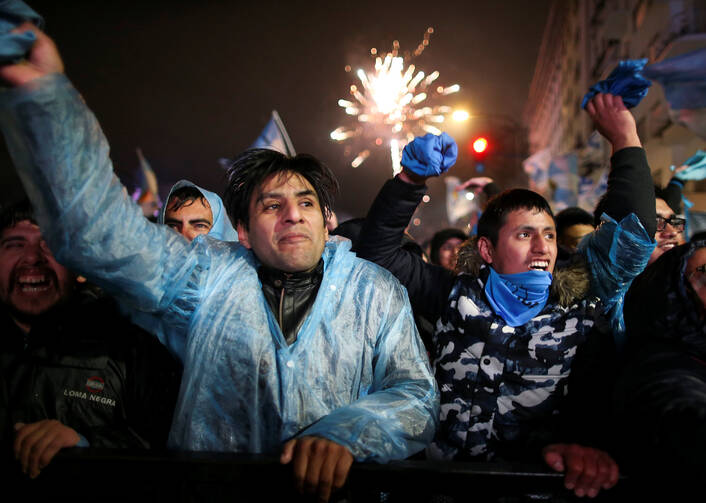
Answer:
[(104, 475)]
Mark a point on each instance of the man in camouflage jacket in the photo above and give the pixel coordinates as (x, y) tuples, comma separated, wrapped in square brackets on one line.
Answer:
[(502, 382)]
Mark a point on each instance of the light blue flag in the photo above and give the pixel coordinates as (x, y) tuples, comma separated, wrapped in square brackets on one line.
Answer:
[(563, 174), (275, 137), (696, 167), (683, 78), (537, 168), (591, 189)]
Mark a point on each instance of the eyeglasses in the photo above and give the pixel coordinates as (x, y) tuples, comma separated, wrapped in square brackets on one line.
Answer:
[(677, 222)]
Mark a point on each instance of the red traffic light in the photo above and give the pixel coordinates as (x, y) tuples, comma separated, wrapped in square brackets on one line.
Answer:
[(480, 145)]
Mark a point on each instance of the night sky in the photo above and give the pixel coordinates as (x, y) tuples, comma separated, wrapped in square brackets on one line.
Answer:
[(191, 82)]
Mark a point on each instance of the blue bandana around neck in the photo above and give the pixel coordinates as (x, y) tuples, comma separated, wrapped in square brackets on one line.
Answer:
[(517, 298)]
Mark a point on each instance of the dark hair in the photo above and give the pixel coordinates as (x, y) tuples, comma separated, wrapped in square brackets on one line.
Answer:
[(247, 172), (572, 216), (671, 197), (16, 213), (495, 215), (185, 196), (349, 229), (441, 237)]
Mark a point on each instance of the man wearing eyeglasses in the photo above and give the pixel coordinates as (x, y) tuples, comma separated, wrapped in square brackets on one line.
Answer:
[(670, 230)]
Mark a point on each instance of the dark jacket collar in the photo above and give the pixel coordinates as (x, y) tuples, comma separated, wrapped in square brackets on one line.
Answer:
[(291, 280)]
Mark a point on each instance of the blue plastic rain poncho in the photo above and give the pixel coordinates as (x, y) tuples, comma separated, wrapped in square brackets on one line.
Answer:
[(222, 228), (625, 80), (616, 253), (357, 373)]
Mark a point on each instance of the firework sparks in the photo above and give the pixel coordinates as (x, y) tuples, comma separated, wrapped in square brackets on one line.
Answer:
[(393, 104)]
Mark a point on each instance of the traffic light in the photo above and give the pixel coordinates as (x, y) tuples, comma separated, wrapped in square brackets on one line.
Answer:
[(479, 150), (480, 145)]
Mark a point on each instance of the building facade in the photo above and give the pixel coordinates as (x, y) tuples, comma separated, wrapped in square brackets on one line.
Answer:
[(582, 43)]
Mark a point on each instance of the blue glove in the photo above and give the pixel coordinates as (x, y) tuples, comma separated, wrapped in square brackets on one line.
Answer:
[(625, 80), (430, 155), (14, 46)]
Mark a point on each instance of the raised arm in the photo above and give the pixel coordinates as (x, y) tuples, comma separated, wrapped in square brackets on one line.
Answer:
[(630, 186), (381, 236), (621, 246), (84, 212)]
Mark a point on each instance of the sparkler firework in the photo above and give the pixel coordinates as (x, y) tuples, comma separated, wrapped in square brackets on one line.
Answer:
[(393, 104)]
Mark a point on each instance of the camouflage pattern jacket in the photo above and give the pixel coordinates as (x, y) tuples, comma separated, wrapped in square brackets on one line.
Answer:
[(502, 387)]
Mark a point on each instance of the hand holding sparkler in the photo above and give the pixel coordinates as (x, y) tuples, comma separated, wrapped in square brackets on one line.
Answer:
[(429, 155)]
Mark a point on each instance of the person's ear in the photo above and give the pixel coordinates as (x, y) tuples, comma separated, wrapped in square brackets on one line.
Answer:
[(486, 250), (243, 236)]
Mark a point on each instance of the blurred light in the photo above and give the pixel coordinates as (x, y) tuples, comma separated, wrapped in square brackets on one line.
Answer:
[(426, 198), (431, 129), (360, 158), (480, 145), (470, 196), (395, 156), (451, 89), (416, 221), (419, 98), (460, 115)]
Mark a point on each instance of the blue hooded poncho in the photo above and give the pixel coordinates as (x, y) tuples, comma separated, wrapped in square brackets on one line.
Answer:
[(222, 227), (357, 373)]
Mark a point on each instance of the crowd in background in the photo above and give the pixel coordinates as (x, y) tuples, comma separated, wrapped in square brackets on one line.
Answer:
[(257, 323)]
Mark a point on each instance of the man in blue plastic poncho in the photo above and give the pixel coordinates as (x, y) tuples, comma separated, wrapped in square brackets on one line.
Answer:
[(335, 373), (191, 211)]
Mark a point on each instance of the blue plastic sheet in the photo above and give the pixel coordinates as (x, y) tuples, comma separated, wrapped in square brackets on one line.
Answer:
[(617, 252), (696, 169), (14, 46), (430, 155), (683, 78), (625, 80)]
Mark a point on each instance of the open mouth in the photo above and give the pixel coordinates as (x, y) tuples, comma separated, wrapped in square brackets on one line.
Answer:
[(668, 245), (539, 265), (32, 283)]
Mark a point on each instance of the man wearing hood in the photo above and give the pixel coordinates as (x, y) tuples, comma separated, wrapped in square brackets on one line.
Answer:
[(192, 211), (509, 326)]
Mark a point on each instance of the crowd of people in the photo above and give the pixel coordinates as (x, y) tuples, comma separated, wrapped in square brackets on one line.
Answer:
[(246, 324)]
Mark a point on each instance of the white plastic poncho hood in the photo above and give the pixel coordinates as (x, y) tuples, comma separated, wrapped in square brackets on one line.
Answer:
[(222, 228)]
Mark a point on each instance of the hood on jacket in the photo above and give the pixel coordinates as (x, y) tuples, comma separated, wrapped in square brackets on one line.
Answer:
[(222, 228), (571, 282)]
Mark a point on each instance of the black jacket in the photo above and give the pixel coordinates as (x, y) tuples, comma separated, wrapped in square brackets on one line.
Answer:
[(660, 397), (88, 367)]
